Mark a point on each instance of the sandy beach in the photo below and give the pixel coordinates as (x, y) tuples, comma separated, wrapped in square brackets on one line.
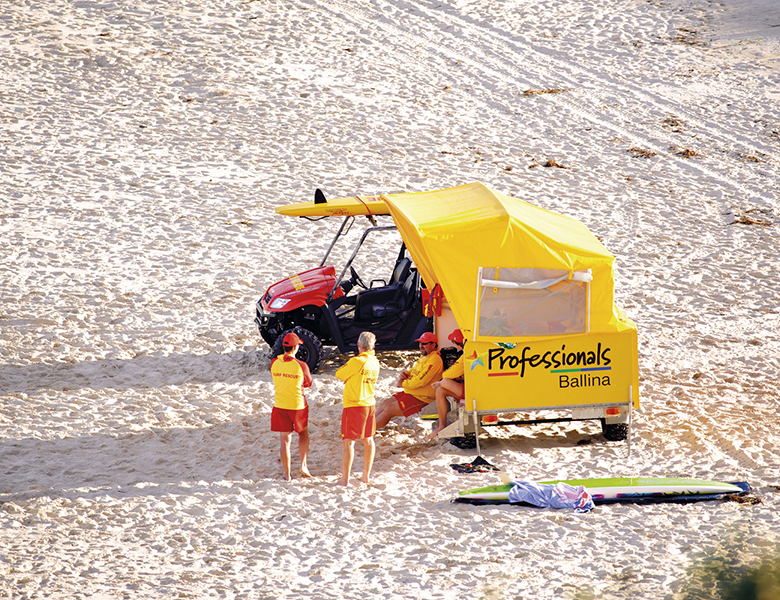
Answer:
[(146, 145)]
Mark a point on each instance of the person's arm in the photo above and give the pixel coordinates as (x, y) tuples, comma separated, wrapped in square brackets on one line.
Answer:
[(307, 379), (429, 372), (401, 378), (347, 370), (456, 370)]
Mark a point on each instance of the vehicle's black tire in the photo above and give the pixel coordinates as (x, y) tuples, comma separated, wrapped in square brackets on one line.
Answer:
[(268, 338), (310, 351), (614, 432), (275, 324), (466, 442)]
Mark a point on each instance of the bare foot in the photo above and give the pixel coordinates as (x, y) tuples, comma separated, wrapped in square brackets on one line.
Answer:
[(364, 480), (343, 482), (305, 472)]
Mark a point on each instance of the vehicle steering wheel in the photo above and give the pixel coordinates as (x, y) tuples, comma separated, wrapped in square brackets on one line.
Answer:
[(355, 278)]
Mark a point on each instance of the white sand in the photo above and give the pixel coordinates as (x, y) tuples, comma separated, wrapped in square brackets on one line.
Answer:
[(146, 144)]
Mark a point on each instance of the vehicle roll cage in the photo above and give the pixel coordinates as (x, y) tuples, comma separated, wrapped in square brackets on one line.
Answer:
[(346, 226)]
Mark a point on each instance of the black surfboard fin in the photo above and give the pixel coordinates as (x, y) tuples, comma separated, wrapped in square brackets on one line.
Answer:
[(319, 197)]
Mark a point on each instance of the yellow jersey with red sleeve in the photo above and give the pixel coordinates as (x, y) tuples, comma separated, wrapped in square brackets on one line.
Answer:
[(425, 371), (359, 376), (456, 370), (290, 377)]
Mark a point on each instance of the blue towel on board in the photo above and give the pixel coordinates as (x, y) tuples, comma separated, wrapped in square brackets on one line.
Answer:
[(559, 495)]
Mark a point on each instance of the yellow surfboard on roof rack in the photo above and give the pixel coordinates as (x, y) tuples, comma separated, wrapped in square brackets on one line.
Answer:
[(355, 206)]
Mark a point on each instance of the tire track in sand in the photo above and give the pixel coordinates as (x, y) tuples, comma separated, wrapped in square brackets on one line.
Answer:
[(483, 60), (556, 67)]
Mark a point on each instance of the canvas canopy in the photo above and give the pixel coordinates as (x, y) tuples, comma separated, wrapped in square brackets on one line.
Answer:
[(507, 268)]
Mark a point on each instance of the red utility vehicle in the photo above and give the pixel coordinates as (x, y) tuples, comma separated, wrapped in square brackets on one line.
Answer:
[(324, 309)]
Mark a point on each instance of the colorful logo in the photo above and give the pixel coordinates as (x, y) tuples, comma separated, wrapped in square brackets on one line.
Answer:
[(500, 362), (477, 360)]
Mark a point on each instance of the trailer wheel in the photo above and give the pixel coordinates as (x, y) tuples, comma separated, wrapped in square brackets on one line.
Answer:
[(309, 352), (614, 432), (466, 442)]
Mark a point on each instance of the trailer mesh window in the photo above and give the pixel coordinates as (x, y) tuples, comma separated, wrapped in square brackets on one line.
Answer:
[(532, 302)]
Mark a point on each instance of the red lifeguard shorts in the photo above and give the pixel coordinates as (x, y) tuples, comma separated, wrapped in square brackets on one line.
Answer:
[(409, 404), (358, 422), (286, 420)]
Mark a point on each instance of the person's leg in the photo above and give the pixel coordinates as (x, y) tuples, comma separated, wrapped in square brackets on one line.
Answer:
[(454, 388), (369, 449), (442, 407), (303, 449), (389, 411), (347, 456), (285, 437), (384, 404), (448, 387)]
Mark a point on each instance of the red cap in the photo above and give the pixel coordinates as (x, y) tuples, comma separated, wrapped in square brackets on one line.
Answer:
[(456, 337), (291, 340), (427, 338)]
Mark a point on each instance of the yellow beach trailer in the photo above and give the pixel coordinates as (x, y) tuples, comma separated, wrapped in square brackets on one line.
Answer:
[(533, 293)]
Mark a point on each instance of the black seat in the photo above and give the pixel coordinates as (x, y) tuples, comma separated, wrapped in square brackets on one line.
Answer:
[(403, 299), (367, 299), (401, 272)]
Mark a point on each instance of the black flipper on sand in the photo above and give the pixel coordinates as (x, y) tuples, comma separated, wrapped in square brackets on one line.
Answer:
[(478, 465)]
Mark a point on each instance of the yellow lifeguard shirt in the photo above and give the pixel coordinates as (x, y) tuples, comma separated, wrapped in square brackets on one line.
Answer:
[(359, 376), (425, 371), (456, 370), (290, 377)]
